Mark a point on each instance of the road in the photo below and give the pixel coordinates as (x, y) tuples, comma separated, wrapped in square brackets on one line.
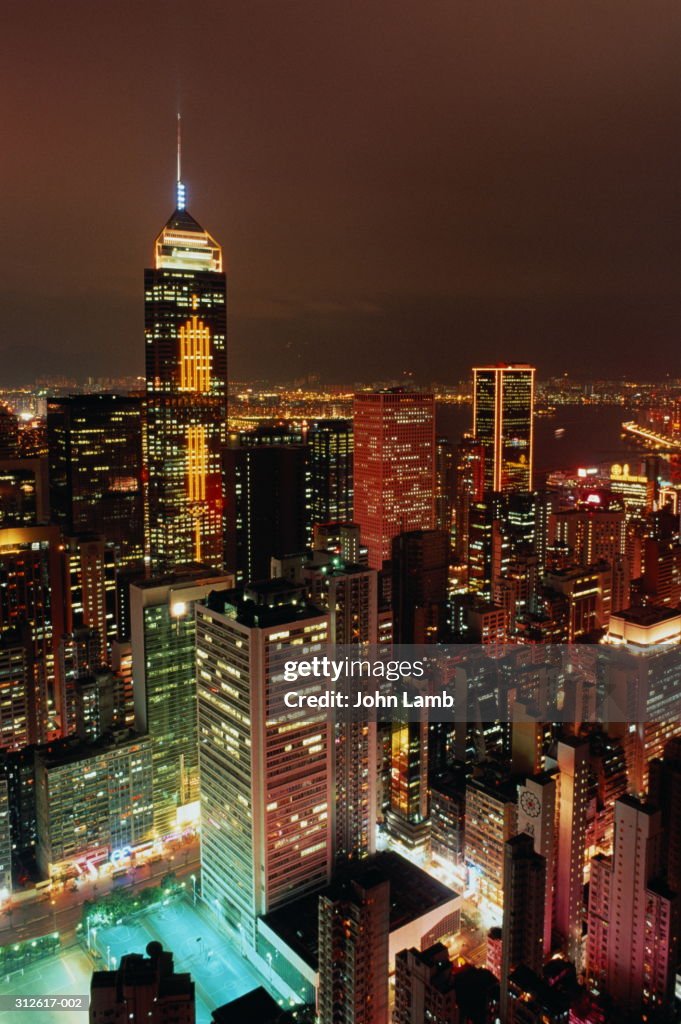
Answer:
[(62, 911)]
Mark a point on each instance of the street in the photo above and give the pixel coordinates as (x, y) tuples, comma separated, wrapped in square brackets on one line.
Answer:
[(63, 910)]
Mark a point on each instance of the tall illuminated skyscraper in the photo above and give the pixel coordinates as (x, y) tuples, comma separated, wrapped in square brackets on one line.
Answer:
[(265, 773), (186, 369), (503, 405), (394, 471)]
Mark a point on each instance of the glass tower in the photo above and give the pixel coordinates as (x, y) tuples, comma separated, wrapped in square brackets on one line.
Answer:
[(186, 408), (503, 406)]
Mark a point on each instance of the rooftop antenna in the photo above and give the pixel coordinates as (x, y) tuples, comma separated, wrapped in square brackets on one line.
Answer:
[(181, 193)]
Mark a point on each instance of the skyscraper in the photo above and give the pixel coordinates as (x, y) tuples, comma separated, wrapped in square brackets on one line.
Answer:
[(164, 673), (266, 784), (186, 406), (95, 469), (573, 786), (265, 487), (349, 593), (420, 563), (394, 473), (330, 460), (503, 408)]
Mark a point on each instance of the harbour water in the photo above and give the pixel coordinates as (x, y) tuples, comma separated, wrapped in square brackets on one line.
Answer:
[(577, 435)]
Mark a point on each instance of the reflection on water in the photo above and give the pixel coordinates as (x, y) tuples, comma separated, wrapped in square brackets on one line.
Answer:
[(578, 435)]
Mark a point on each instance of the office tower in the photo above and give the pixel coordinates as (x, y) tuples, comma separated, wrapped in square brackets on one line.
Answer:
[(469, 487), (491, 820), (537, 817), (503, 410), (15, 693), (31, 603), (444, 484), (349, 593), (595, 531), (265, 490), (420, 566), (665, 794), (407, 819), (572, 758), (425, 987), (90, 588), (24, 496), (143, 990), (265, 775), (631, 944), (185, 326), (394, 467), (522, 931), (164, 680), (95, 468), (92, 798), (330, 452), (5, 840), (354, 922)]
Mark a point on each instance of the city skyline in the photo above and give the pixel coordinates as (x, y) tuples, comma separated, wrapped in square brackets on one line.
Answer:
[(495, 185), (353, 702)]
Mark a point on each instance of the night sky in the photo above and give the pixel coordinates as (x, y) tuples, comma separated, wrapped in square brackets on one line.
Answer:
[(396, 185)]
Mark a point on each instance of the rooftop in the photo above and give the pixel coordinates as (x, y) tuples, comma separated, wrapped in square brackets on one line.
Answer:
[(263, 605), (413, 893)]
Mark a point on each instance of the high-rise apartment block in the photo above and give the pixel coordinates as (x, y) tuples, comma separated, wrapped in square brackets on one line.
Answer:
[(354, 924), (92, 799), (632, 920)]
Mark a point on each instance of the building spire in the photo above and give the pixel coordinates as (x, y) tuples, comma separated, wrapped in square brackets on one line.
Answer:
[(181, 193)]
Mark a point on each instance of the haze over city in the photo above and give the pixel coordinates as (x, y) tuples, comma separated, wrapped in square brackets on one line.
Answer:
[(395, 186)]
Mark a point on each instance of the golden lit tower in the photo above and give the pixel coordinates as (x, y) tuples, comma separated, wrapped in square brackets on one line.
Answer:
[(503, 407), (186, 369)]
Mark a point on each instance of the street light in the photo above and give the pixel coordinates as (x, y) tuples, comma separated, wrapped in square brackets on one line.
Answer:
[(193, 881)]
